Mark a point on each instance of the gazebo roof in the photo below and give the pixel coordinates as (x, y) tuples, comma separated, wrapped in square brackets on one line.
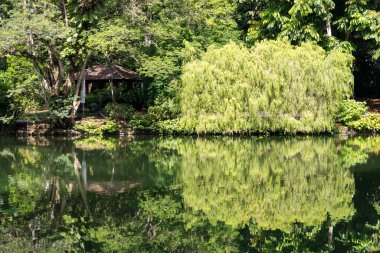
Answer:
[(109, 72)]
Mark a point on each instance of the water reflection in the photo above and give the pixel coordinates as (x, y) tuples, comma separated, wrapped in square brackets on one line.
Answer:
[(189, 194), (273, 183)]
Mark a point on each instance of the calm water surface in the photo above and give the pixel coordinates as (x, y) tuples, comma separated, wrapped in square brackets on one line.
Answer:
[(288, 194)]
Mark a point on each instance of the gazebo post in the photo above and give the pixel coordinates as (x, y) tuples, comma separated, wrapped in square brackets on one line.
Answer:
[(112, 92), (83, 96)]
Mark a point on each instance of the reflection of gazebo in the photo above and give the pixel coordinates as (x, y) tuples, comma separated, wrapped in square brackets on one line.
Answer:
[(103, 75), (110, 187)]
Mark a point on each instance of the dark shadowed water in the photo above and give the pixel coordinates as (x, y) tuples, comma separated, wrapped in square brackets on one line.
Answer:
[(285, 194)]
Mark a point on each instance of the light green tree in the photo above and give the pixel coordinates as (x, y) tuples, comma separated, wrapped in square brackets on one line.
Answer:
[(273, 87)]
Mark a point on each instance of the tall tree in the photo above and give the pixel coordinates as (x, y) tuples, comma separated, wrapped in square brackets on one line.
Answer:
[(52, 35), (348, 26)]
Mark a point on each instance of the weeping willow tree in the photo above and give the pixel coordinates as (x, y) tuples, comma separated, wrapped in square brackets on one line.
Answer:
[(270, 88), (272, 183)]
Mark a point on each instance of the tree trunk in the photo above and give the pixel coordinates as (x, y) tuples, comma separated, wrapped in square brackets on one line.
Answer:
[(57, 67), (76, 101), (328, 28), (77, 166), (44, 85), (331, 235), (65, 13)]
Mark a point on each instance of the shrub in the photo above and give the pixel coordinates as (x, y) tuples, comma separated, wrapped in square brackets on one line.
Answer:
[(170, 127), (59, 113), (5, 100), (351, 110), (101, 97), (144, 122), (272, 87), (148, 122), (167, 109), (119, 111), (101, 129), (109, 128), (366, 124)]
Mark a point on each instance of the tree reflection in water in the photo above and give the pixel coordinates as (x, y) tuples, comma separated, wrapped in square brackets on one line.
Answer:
[(186, 194), (272, 183)]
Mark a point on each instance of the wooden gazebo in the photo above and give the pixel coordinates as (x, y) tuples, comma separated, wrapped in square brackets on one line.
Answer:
[(105, 74)]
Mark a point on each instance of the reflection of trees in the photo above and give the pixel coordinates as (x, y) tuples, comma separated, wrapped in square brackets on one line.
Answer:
[(366, 221), (128, 198), (272, 182), (51, 190), (39, 183), (357, 150)]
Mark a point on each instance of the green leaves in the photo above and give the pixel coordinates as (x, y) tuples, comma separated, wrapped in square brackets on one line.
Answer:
[(17, 88), (351, 110), (314, 20), (363, 21), (60, 108), (98, 129), (355, 115), (298, 20), (85, 13), (366, 124), (274, 87)]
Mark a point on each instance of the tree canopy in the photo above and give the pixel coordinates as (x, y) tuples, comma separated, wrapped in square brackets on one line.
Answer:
[(269, 88)]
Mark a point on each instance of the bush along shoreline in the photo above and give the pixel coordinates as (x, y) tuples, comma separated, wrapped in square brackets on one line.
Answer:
[(352, 118), (356, 117)]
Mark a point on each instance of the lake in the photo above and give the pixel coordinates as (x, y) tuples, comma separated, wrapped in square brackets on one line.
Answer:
[(168, 194)]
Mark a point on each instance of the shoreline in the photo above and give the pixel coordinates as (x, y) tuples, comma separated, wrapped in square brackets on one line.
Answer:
[(45, 129), (55, 132)]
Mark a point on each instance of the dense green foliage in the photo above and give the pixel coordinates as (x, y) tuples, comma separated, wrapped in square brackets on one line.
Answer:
[(351, 110), (19, 89), (347, 26), (320, 21), (370, 123), (355, 115), (269, 88), (98, 128), (43, 43), (63, 37), (119, 111)]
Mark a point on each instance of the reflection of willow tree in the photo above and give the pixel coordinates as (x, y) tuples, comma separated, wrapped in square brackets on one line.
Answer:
[(274, 183)]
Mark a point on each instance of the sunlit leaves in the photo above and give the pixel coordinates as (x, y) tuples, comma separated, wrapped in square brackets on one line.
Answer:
[(116, 40), (18, 31), (363, 21), (299, 20), (270, 88)]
